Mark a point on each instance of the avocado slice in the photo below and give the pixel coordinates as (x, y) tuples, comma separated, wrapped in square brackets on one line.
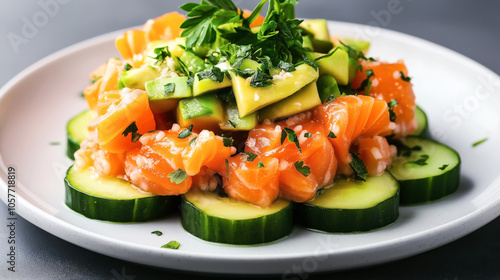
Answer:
[(194, 62), (203, 112), (207, 85), (335, 64), (251, 99), (136, 78), (233, 122), (321, 46), (318, 27), (174, 47), (303, 100), (359, 45), (164, 93), (307, 43), (353, 68), (327, 87), (251, 64)]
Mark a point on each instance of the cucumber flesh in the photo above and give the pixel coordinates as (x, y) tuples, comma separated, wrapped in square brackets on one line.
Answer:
[(422, 125), (426, 170), (77, 131), (210, 217), (352, 206), (113, 199)]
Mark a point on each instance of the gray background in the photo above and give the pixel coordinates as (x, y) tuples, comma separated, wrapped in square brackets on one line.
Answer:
[(468, 27)]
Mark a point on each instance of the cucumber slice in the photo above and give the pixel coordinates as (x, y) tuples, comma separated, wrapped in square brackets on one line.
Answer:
[(422, 125), (352, 206), (210, 217), (77, 131), (426, 170), (113, 199)]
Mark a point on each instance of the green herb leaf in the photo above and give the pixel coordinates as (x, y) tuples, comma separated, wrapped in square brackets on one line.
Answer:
[(132, 128), (403, 77), (392, 114), (260, 164), (157, 232), (186, 132), (169, 88), (193, 141), (261, 78), (250, 156), (358, 166), (303, 169), (365, 82), (331, 135), (172, 245), (475, 144), (178, 176), (55, 143), (292, 137), (307, 135), (444, 166), (226, 162), (214, 73), (95, 79), (161, 54), (227, 141), (421, 161), (288, 67), (127, 66)]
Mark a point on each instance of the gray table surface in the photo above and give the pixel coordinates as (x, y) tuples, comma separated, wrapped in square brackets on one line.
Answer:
[(468, 27)]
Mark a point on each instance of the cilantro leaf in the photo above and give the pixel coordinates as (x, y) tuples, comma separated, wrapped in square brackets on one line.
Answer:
[(358, 166), (127, 67), (214, 73), (169, 88), (307, 135), (260, 164), (186, 132), (303, 169), (391, 105), (193, 141), (250, 156), (157, 232), (403, 77), (444, 166), (365, 82), (421, 161), (227, 141), (172, 245), (132, 128), (477, 143), (161, 54), (288, 67), (178, 176), (292, 137), (331, 135)]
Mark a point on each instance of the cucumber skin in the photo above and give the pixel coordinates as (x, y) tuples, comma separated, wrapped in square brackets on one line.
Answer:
[(419, 191), (237, 232), (130, 210), (423, 133), (348, 220), (72, 147)]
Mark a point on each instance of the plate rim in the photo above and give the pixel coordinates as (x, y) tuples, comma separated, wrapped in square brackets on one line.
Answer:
[(43, 220)]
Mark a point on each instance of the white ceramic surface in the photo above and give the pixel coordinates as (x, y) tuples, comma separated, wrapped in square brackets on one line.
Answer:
[(460, 97)]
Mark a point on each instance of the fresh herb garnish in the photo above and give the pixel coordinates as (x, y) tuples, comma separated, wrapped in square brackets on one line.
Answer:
[(292, 137), (169, 88), (356, 54), (331, 135), (132, 128), (231, 123), (186, 132), (307, 135), (444, 166), (250, 156), (193, 141), (172, 245), (214, 74), (184, 69), (127, 66), (95, 79), (479, 142), (261, 78), (303, 169), (421, 161), (286, 66), (178, 176), (404, 150), (161, 54), (157, 232), (403, 77), (227, 141), (55, 143), (358, 166), (226, 162), (365, 82), (391, 104), (260, 164)]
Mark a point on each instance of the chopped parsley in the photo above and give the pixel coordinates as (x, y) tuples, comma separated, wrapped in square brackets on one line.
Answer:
[(214, 74), (391, 105), (169, 88), (95, 79), (172, 245), (157, 232), (55, 143), (261, 78), (186, 132), (444, 166), (178, 176), (404, 150), (250, 156), (366, 82), (292, 137), (303, 169), (227, 141), (475, 144), (331, 135), (307, 135), (161, 54), (403, 77), (127, 66), (231, 123), (288, 67), (132, 128), (421, 161), (193, 141), (359, 168), (260, 164)]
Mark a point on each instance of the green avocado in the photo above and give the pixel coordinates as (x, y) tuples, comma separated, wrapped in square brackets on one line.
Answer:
[(164, 93), (233, 121), (335, 64), (194, 62), (359, 45), (321, 46), (207, 85), (303, 100), (137, 78), (204, 111), (318, 27), (251, 99), (327, 88)]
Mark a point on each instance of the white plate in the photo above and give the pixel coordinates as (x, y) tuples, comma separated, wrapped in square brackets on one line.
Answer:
[(460, 96)]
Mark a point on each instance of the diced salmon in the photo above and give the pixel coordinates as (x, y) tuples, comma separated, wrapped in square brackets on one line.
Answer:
[(376, 154), (106, 79), (165, 27), (103, 163), (250, 182), (387, 84)]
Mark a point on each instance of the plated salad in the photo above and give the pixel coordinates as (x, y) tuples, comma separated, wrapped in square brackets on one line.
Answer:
[(252, 124)]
